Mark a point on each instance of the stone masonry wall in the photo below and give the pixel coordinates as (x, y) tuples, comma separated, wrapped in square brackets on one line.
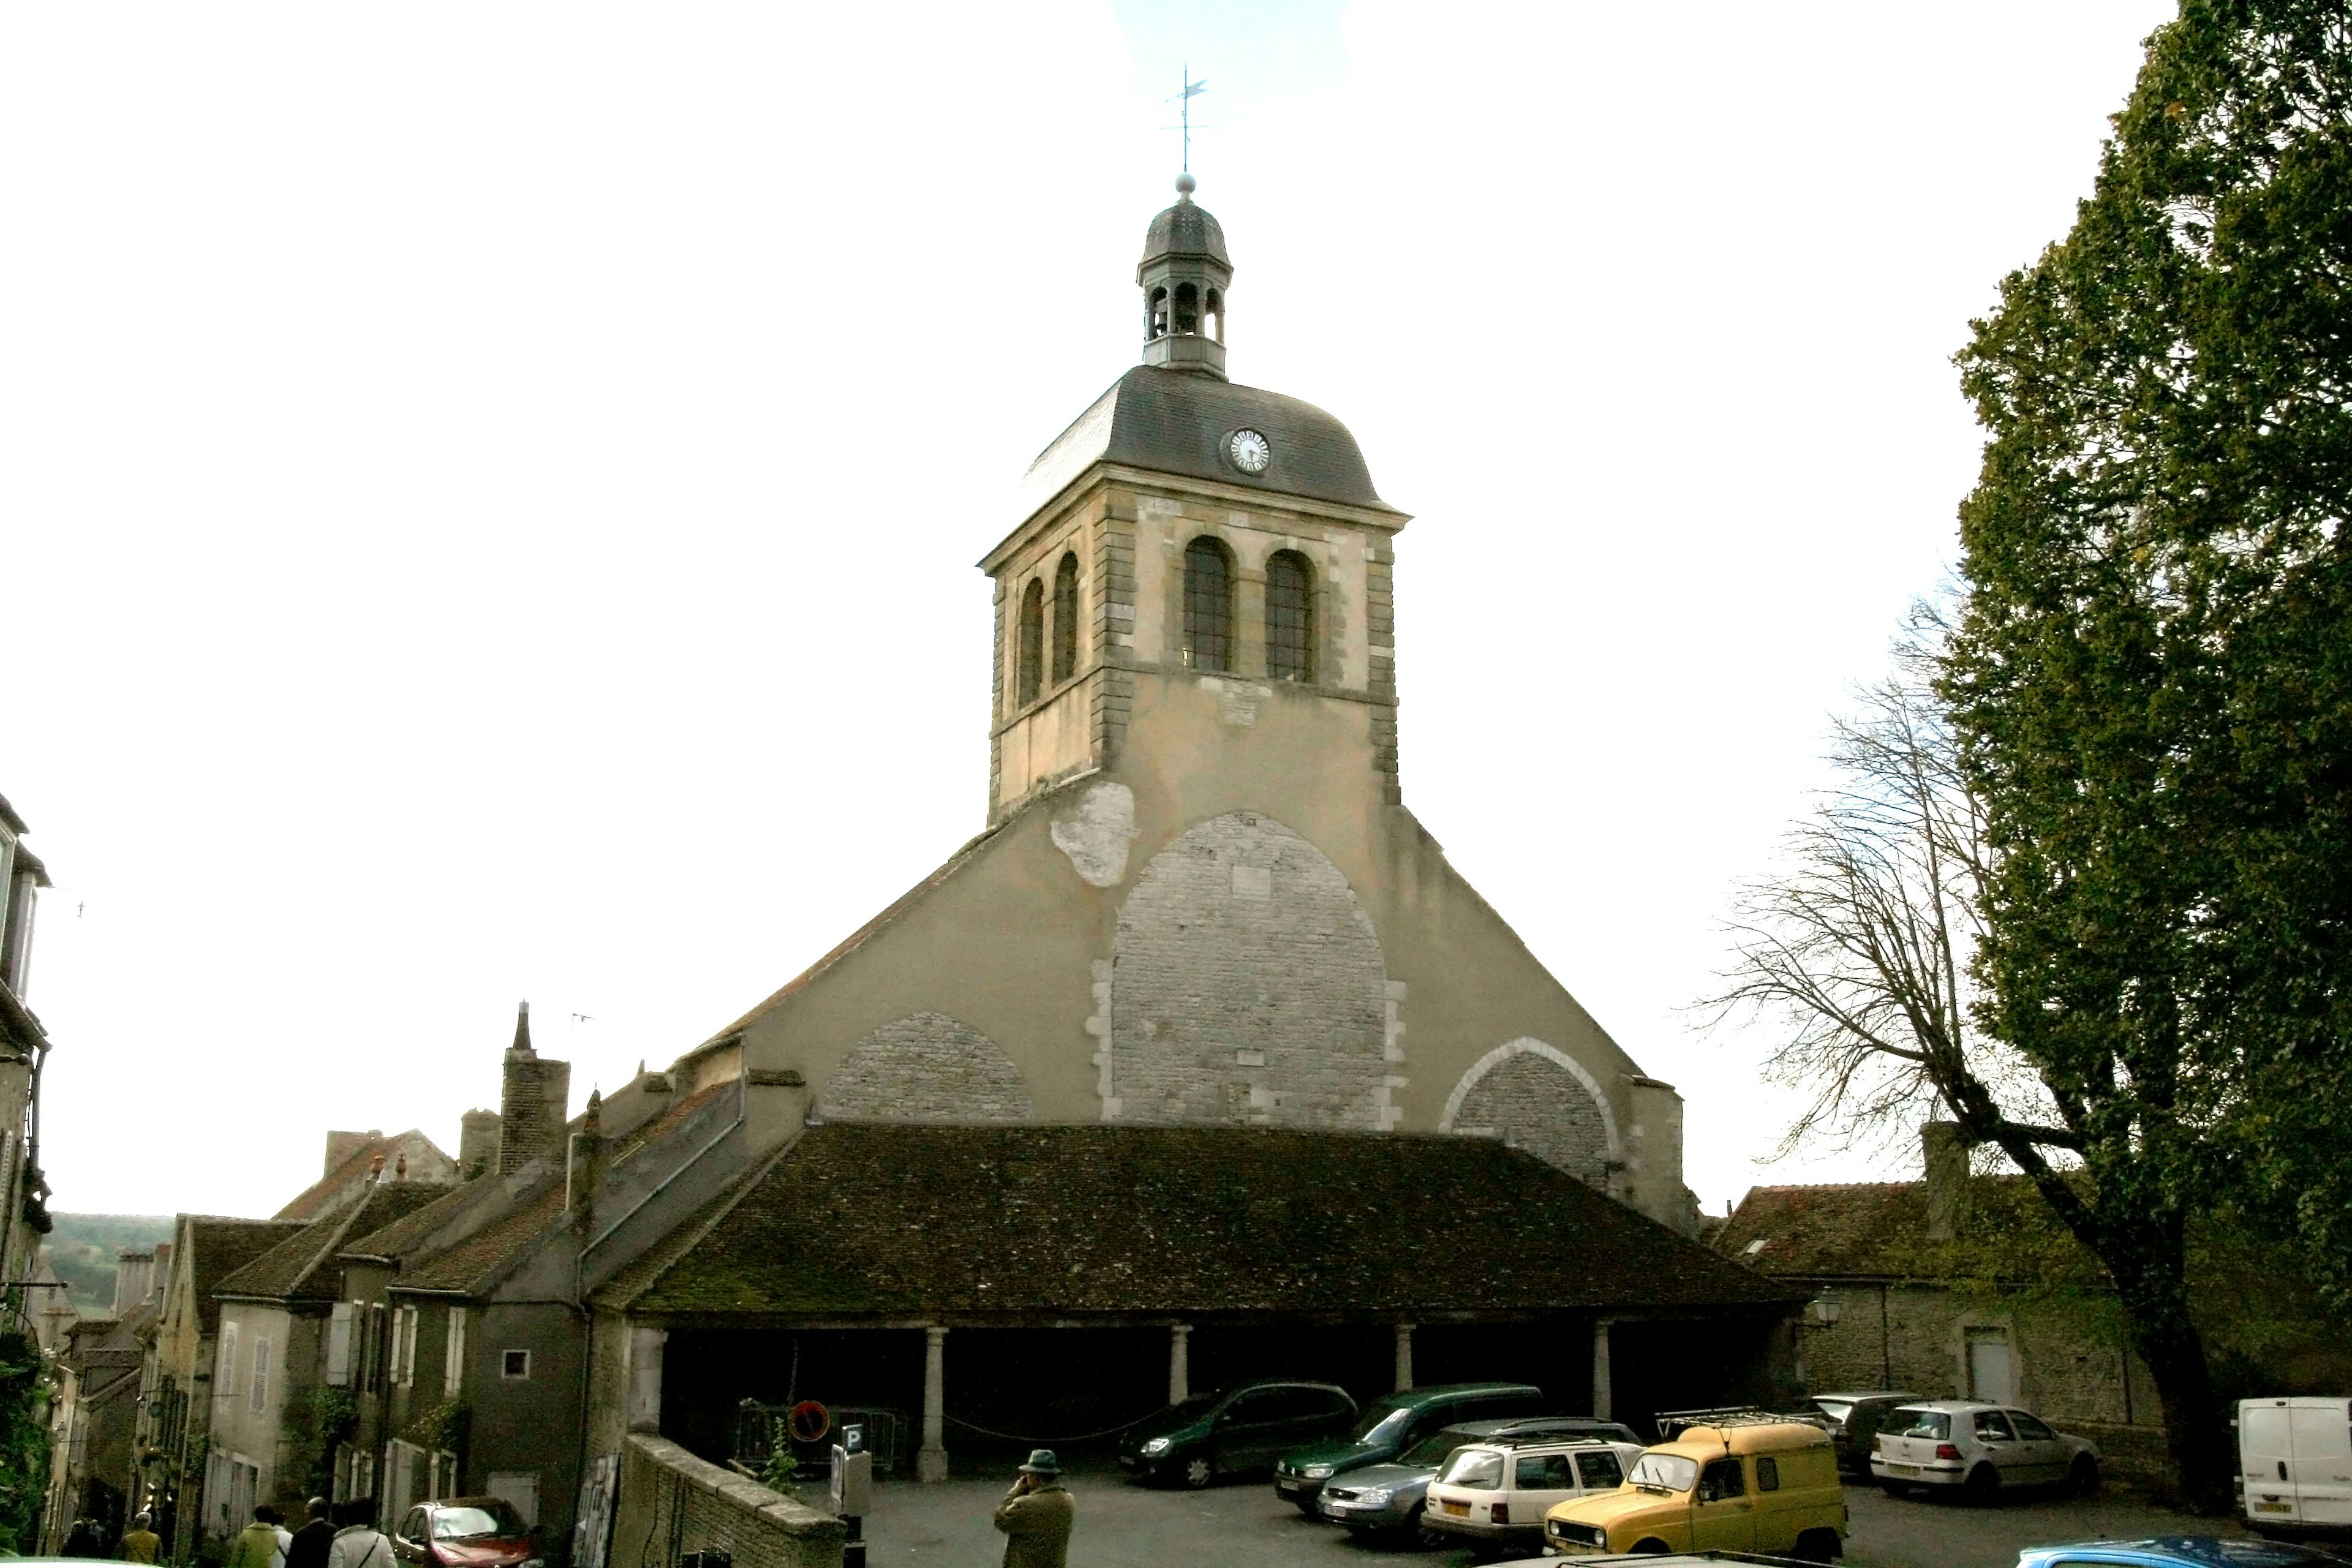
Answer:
[(1534, 1103), (1247, 987), (672, 1503), (925, 1067)]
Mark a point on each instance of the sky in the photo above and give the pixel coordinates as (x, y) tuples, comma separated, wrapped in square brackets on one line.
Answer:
[(488, 494)]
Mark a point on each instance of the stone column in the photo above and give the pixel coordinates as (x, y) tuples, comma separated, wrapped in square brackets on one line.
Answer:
[(1180, 1371), (1403, 1357), (1601, 1395), (932, 1463)]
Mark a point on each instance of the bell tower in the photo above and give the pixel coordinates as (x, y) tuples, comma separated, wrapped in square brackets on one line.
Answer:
[(1184, 275)]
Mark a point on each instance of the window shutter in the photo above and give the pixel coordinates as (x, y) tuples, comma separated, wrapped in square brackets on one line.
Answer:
[(453, 1357), (224, 1374), (260, 1374), (339, 1345)]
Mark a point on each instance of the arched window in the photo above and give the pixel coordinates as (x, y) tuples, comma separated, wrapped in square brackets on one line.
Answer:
[(1065, 619), (1188, 307), (1216, 314), (1159, 313), (1208, 605), (1289, 616), (1028, 657)]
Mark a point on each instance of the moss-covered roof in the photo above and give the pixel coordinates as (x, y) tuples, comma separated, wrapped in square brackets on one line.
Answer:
[(879, 1220), (296, 1268), (1878, 1230)]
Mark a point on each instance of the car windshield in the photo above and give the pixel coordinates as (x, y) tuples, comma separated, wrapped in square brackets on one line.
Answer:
[(1481, 1470), (466, 1523), (1920, 1424), (1836, 1409), (1431, 1451), (1382, 1424), (1193, 1406), (1671, 1471)]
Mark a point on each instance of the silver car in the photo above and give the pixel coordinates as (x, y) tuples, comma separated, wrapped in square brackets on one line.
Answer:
[(1388, 1499), (1979, 1447)]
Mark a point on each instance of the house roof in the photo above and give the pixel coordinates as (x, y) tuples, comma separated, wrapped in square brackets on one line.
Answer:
[(218, 1249), (472, 1262), (866, 1220), (315, 1200), (295, 1270), (1878, 1230)]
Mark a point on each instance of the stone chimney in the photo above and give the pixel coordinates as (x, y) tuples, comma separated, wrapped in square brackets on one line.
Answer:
[(134, 1276), (341, 1146), (477, 1144), (584, 1170), (532, 1102), (1945, 1149)]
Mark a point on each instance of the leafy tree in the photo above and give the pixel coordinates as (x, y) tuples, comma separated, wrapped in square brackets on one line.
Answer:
[(23, 1443), (2152, 674)]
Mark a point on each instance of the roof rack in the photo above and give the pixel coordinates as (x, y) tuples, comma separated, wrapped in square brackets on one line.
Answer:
[(1672, 1423)]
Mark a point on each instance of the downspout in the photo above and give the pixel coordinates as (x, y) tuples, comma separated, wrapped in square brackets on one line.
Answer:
[(1886, 1342)]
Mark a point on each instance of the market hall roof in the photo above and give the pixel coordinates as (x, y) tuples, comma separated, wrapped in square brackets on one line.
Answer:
[(888, 1220)]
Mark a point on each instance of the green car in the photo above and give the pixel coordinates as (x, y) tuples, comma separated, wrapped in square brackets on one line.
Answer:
[(1233, 1431), (1395, 1422)]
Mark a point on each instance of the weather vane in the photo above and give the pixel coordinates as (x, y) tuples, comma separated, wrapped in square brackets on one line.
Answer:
[(1192, 89)]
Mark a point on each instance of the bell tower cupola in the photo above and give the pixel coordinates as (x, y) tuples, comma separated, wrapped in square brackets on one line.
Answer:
[(1184, 275)]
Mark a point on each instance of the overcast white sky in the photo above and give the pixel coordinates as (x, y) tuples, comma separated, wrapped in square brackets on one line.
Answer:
[(489, 493)]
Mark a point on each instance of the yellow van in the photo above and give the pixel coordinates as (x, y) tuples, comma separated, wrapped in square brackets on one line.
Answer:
[(1768, 1486)]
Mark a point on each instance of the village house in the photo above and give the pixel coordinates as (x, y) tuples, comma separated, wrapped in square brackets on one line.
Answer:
[(94, 1417), (23, 1046)]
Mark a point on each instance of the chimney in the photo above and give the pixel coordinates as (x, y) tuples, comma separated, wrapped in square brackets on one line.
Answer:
[(375, 1166), (135, 1274), (533, 1100), (477, 1144), (341, 1146), (1945, 1149), (584, 1170)]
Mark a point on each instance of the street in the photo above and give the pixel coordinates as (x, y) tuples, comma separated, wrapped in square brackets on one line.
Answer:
[(1242, 1526)]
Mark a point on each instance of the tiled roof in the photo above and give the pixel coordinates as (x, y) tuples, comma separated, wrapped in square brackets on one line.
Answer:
[(297, 1269), (219, 1247), (471, 1262), (405, 1235), (1878, 1230), (885, 1220), (315, 1200)]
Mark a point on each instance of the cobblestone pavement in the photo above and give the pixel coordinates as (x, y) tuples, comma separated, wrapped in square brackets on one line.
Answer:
[(1244, 1526)]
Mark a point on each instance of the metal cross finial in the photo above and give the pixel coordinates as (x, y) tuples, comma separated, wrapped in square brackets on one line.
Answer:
[(1192, 89)]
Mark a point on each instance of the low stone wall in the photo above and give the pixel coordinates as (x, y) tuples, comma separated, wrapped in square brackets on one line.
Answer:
[(672, 1503)]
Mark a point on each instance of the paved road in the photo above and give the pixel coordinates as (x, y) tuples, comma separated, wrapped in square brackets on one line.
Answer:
[(1242, 1526)]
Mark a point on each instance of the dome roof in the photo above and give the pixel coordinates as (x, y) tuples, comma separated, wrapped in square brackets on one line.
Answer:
[(1185, 230), (1175, 422)]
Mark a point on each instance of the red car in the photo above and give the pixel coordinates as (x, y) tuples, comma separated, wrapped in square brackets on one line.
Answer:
[(465, 1532)]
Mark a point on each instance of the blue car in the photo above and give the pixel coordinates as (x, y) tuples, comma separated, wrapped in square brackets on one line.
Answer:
[(2179, 1551)]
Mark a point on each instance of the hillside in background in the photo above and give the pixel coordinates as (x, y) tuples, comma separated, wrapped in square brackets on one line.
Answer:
[(82, 1249)]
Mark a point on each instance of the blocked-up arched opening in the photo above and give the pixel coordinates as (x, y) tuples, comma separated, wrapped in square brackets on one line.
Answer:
[(1208, 604), (926, 1067), (1538, 1098), (1065, 618), (1246, 986), (1188, 307), (1289, 616), (1028, 659)]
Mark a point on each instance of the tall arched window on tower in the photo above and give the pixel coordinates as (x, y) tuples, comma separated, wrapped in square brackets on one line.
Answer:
[(1208, 605), (1188, 308), (1065, 619), (1215, 325), (1158, 313), (1029, 655), (1289, 616)]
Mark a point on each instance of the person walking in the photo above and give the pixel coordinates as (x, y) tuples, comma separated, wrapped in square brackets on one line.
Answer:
[(140, 1542), (257, 1543), (1037, 1515), (81, 1540), (310, 1541), (360, 1546)]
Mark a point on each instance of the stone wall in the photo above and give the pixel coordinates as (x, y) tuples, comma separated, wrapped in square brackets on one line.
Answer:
[(925, 1067), (1247, 987), (672, 1503), (1528, 1096)]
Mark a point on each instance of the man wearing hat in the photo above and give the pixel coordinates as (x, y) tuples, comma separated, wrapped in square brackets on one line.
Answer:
[(1037, 1515)]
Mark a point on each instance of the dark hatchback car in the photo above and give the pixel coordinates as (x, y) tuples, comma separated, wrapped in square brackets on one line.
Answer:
[(464, 1533), (1234, 1431), (1854, 1420), (1393, 1423)]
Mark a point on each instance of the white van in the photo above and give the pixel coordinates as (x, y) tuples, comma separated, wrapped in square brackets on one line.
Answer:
[(2295, 1460)]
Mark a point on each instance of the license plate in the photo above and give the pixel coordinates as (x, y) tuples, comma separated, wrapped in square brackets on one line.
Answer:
[(1902, 1470), (1459, 1510), (1289, 1485), (2273, 1508)]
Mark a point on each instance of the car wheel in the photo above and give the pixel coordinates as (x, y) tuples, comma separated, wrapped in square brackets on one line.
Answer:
[(1895, 1488), (1199, 1471), (1816, 1546), (1983, 1484), (2083, 1480), (1649, 1546)]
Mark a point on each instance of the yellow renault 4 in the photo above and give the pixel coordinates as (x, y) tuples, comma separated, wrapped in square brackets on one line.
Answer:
[(1764, 1486)]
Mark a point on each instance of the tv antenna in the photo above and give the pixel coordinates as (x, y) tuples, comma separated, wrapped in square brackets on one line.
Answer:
[(1183, 99)]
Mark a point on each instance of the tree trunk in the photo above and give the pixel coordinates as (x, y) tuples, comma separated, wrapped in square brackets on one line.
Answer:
[(2196, 1433)]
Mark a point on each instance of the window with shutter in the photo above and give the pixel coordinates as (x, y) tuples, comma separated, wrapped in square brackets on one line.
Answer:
[(260, 1401), (453, 1357), (224, 1372), (339, 1345)]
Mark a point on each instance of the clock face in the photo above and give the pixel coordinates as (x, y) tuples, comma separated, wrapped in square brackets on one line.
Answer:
[(1250, 451)]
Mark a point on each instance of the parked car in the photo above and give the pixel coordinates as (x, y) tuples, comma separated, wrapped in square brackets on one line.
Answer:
[(2294, 1463), (2179, 1551), (1854, 1419), (1387, 1499), (1393, 1423), (1233, 1431), (464, 1533), (1982, 1447), (1757, 1486), (1497, 1493)]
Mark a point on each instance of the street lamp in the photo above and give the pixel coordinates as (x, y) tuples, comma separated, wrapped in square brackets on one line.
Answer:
[(1823, 1308)]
